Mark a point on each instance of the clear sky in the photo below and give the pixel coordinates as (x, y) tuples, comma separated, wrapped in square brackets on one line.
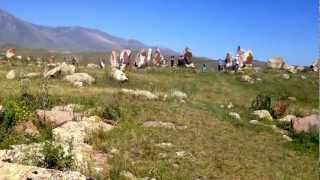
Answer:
[(286, 28)]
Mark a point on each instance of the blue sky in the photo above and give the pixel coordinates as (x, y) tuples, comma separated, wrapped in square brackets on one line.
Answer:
[(286, 28)]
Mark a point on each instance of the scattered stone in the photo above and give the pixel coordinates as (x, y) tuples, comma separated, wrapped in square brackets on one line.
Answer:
[(303, 77), (114, 151), (17, 171), (179, 95), (290, 68), (263, 114), (287, 137), (128, 175), (254, 122), (276, 63), (93, 66), (306, 124), (84, 78), (11, 75), (149, 95), (161, 124), (68, 108), (75, 131), (27, 128), (259, 79), (300, 68), (118, 75), (181, 153), (221, 106), (230, 105), (234, 115), (246, 78), (287, 118), (285, 76), (60, 69), (292, 98), (56, 118), (164, 145), (78, 84), (32, 75)]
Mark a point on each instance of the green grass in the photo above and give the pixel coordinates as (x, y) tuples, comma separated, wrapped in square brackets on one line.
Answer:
[(218, 146)]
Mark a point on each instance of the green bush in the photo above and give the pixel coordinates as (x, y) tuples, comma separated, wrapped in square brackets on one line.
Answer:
[(55, 157), (261, 102)]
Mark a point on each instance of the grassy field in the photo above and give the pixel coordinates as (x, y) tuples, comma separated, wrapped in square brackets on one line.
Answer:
[(216, 145)]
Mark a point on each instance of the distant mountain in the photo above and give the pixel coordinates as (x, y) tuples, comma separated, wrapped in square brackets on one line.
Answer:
[(16, 31)]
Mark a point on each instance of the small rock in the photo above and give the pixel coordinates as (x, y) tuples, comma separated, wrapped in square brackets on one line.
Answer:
[(181, 153), (31, 75), (246, 78), (287, 137), (276, 63), (179, 95), (285, 76), (300, 68), (254, 122), (78, 84), (230, 105), (27, 128), (303, 77), (292, 98), (149, 95), (221, 106), (11, 75), (93, 66), (263, 114), (114, 151), (128, 175), (85, 78), (234, 115), (164, 145), (287, 118), (168, 125)]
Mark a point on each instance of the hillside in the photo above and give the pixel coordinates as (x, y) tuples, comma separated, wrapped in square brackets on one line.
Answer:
[(171, 138), (22, 33)]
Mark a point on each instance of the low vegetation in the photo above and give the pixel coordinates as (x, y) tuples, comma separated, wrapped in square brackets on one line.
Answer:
[(213, 145)]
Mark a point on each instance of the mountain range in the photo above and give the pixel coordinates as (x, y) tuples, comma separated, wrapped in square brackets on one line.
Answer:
[(65, 38)]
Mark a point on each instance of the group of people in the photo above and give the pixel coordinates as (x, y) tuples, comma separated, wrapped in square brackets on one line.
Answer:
[(241, 59), (144, 58)]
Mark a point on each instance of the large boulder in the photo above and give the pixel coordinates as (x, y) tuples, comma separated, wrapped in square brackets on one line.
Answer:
[(306, 124), (14, 171), (60, 69), (56, 118), (85, 78), (11, 75), (276, 63), (263, 114), (75, 131)]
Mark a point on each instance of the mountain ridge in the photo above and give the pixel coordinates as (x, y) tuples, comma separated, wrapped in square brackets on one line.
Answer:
[(65, 38)]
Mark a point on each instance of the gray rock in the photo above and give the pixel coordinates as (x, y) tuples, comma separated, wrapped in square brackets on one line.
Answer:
[(285, 76)]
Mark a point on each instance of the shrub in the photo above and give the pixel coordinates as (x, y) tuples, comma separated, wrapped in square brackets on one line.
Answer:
[(55, 157), (279, 109), (261, 102)]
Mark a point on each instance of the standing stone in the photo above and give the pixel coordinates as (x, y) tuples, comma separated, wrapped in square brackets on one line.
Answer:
[(276, 63)]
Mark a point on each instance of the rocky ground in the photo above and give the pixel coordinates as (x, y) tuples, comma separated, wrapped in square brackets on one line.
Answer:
[(160, 124)]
